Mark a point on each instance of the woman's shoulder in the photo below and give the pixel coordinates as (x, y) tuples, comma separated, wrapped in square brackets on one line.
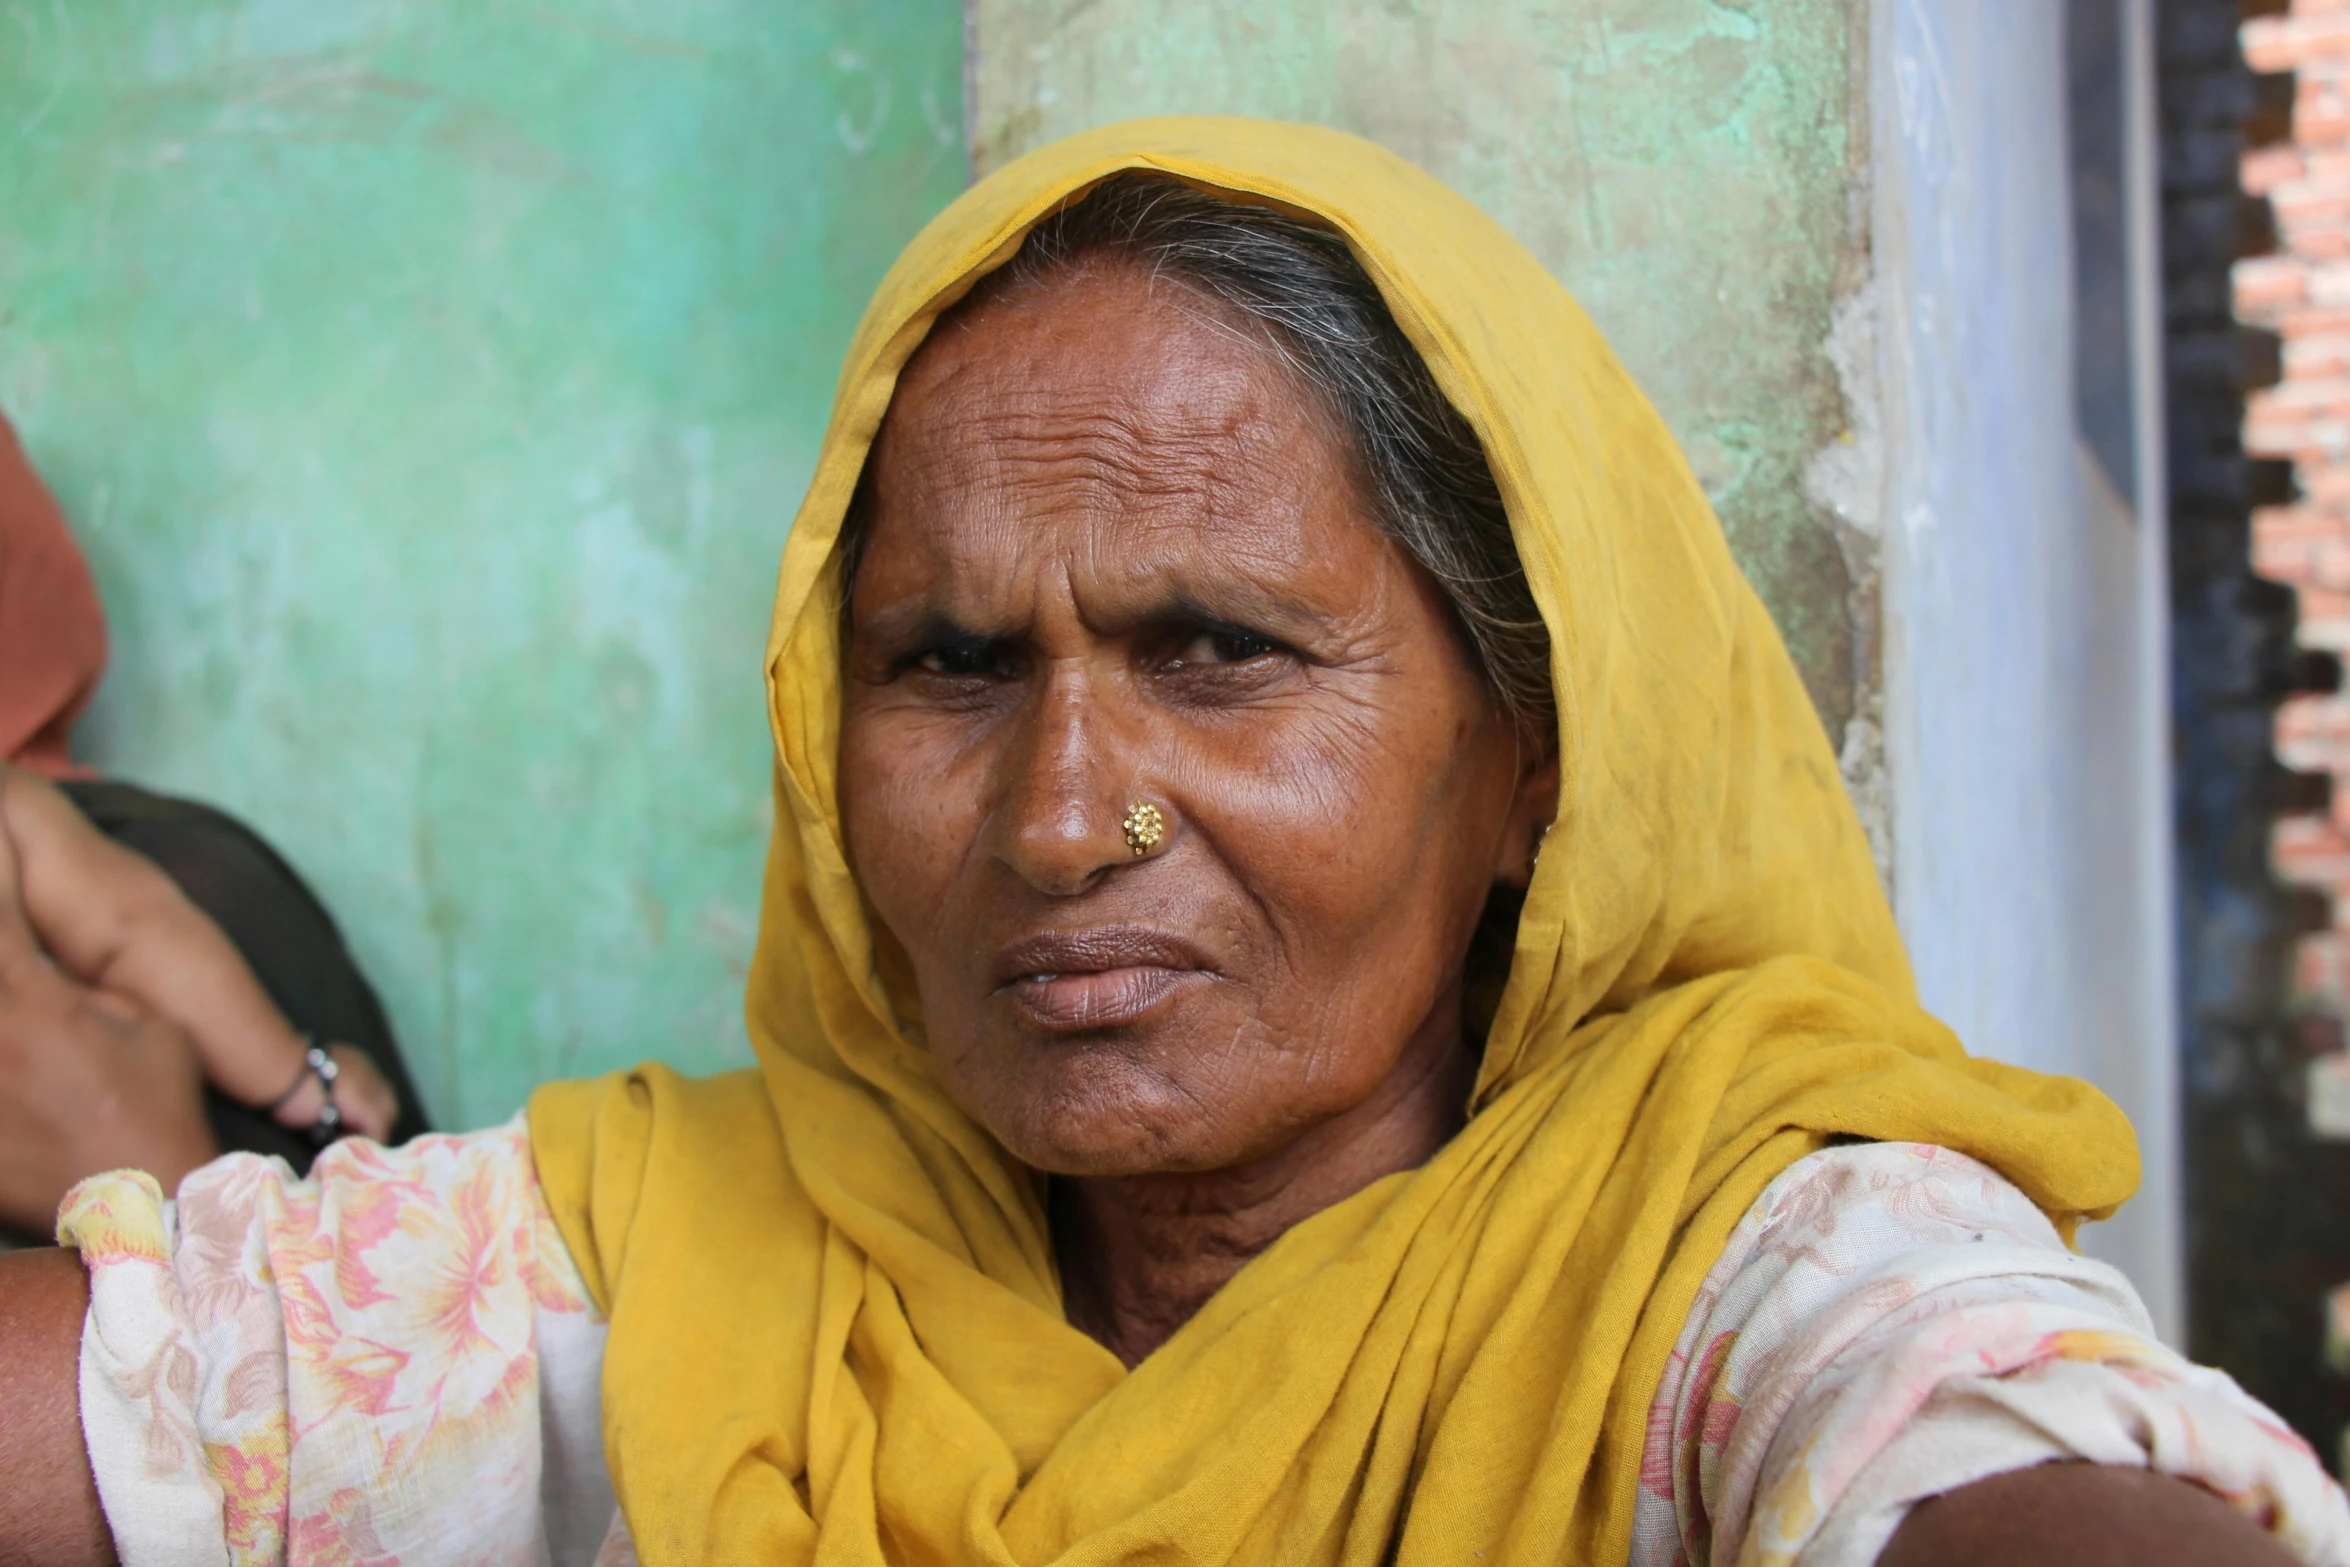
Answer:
[(1870, 1194), (359, 1189), (415, 1300), (347, 1254), (365, 1213), (494, 1161), (1837, 1225), (343, 1254), (126, 1209)]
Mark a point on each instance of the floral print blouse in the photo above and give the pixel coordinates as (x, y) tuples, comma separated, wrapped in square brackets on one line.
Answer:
[(1888, 1322)]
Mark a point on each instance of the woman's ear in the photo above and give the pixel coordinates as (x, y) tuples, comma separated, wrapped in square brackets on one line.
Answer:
[(1532, 810)]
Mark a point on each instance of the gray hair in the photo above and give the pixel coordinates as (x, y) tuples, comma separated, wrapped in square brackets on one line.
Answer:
[(1310, 302)]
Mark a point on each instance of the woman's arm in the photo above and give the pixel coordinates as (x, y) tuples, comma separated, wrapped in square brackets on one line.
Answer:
[(49, 1513), (2081, 1515)]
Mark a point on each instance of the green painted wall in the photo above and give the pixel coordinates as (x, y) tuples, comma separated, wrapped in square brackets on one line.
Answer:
[(1687, 167), (433, 386)]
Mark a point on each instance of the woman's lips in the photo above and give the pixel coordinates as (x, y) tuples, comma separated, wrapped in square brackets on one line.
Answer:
[(1109, 998), (1107, 977)]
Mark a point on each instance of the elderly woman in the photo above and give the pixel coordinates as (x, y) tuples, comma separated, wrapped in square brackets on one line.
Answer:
[(1320, 1001)]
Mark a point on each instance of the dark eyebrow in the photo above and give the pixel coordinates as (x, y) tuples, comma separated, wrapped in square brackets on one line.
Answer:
[(898, 628), (1242, 610), (1237, 609)]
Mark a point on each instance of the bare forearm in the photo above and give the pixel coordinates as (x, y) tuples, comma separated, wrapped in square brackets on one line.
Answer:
[(49, 1512), (2081, 1515)]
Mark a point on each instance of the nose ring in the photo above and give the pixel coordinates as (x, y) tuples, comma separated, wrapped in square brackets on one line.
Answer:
[(1144, 827)]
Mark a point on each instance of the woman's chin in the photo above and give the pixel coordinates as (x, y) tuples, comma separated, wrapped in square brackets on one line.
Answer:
[(1092, 1109)]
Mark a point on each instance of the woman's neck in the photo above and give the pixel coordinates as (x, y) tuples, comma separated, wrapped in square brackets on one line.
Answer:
[(1140, 1254)]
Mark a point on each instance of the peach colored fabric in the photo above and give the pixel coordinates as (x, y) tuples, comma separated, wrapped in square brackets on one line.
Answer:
[(52, 631)]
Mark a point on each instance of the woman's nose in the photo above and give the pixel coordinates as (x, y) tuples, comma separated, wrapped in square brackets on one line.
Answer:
[(1058, 819)]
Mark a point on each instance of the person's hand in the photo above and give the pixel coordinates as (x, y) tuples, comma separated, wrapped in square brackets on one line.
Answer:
[(368, 1104), (89, 1081)]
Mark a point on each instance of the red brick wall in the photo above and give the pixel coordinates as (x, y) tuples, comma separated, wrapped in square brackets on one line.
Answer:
[(2268, 1205), (2302, 291)]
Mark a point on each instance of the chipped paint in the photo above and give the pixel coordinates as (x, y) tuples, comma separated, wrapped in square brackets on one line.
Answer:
[(1845, 482)]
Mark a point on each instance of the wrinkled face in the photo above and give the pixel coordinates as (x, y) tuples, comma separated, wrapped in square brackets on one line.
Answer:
[(1119, 555)]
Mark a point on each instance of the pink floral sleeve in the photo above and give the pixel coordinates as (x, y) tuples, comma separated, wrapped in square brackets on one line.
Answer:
[(391, 1362), (1892, 1321)]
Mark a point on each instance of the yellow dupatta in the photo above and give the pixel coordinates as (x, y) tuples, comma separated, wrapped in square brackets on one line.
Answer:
[(836, 1332)]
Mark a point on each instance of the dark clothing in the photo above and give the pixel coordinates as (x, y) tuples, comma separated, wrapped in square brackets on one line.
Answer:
[(286, 935)]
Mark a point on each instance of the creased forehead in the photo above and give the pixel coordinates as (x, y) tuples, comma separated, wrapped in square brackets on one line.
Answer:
[(1108, 399), (1198, 333), (1129, 447)]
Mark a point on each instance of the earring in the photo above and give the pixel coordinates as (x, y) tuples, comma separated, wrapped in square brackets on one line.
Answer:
[(1536, 857), (1144, 827)]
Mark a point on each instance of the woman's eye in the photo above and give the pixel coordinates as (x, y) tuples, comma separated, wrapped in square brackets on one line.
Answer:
[(962, 660), (1224, 647)]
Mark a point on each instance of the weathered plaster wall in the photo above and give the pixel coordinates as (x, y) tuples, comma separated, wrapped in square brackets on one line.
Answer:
[(1685, 166), (433, 387), (2027, 738)]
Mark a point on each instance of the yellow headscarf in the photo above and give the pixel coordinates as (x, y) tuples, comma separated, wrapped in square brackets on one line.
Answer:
[(836, 1329)]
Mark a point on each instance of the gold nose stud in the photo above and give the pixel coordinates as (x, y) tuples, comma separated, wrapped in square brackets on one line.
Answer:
[(1144, 827)]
